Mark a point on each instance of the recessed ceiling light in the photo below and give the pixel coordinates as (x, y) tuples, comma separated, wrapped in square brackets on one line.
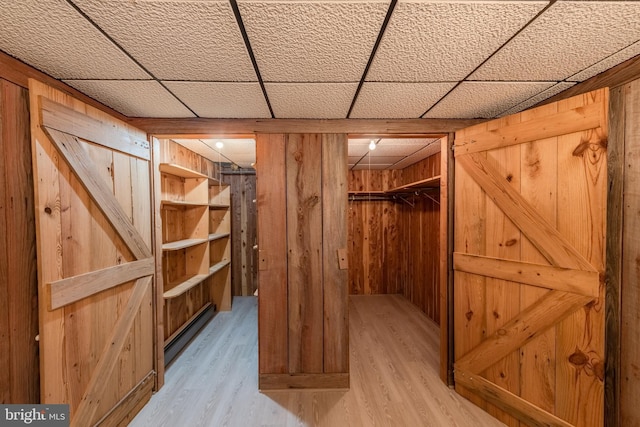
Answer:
[(372, 145), (219, 144)]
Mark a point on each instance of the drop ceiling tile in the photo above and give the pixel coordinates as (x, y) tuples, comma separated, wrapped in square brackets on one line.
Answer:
[(310, 100), (362, 166), (371, 158), (53, 37), (608, 62), (222, 100), (484, 99), (444, 41), (177, 40), (354, 159), (390, 149), (397, 100), (312, 41), (427, 151), (553, 90), (241, 151), (133, 98), (566, 39), (357, 150)]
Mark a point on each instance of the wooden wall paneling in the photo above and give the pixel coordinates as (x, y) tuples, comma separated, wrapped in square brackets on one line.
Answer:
[(470, 299), (356, 248), (159, 305), (582, 170), (539, 166), (613, 279), (243, 229), (236, 233), (18, 283), (503, 240), (250, 254), (630, 293), (445, 286), (5, 326), (305, 248), (273, 322), (334, 239), (390, 278)]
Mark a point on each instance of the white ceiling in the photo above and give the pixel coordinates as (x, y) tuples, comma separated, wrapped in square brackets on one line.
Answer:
[(320, 59)]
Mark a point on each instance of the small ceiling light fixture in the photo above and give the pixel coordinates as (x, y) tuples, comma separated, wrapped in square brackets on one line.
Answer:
[(219, 144), (372, 145)]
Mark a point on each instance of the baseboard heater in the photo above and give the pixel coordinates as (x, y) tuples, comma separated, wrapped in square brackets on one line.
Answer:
[(176, 342)]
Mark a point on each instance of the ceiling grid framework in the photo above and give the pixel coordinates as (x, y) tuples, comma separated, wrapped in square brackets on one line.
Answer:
[(320, 59)]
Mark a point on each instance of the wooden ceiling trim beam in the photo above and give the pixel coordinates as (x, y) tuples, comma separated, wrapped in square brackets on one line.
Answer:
[(173, 128), (619, 75), (19, 73)]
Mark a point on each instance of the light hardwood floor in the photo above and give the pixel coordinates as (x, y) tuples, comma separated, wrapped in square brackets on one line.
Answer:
[(394, 377)]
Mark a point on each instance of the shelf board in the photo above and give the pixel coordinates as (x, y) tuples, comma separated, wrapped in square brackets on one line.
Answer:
[(216, 182), (179, 203), (182, 244), (218, 266), (218, 206), (432, 182), (217, 236), (181, 171), (184, 284), (366, 192)]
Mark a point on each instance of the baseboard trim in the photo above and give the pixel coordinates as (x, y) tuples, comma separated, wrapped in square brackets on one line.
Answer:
[(303, 381)]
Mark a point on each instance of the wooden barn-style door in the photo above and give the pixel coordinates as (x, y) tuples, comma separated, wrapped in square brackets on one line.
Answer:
[(529, 256), (93, 187)]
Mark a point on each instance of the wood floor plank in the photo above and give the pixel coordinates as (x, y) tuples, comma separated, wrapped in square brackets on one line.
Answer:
[(394, 360)]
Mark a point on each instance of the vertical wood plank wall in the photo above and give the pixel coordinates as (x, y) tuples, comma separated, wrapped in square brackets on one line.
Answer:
[(302, 194), (623, 259), (393, 246), (244, 269), (19, 378)]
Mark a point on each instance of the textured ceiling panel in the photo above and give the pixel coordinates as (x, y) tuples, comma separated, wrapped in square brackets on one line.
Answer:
[(362, 166), (553, 90), (312, 42), (381, 160), (242, 152), (222, 100), (607, 63), (397, 100), (53, 37), (177, 40), (427, 151), (358, 147), (391, 149), (566, 39), (133, 98), (310, 100), (484, 99), (445, 41)]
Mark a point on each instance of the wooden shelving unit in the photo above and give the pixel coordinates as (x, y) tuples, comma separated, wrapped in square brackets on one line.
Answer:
[(432, 182), (196, 247), (423, 184)]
